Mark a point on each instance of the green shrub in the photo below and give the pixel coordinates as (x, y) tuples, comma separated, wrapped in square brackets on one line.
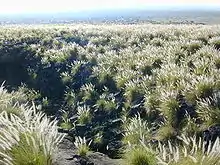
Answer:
[(204, 39), (98, 138), (151, 105), (157, 42), (190, 126), (66, 78), (70, 98)]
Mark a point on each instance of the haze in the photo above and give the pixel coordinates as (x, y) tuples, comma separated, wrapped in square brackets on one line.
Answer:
[(48, 6)]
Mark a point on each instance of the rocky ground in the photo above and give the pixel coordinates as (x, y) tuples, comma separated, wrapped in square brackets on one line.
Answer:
[(67, 156)]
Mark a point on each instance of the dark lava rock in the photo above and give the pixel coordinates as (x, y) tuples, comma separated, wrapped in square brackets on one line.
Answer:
[(66, 155), (101, 159), (211, 133)]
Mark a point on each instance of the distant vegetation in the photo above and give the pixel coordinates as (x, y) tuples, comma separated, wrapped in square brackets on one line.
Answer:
[(149, 94)]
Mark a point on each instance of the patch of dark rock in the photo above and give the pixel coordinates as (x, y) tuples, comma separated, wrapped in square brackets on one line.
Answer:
[(66, 155), (211, 133)]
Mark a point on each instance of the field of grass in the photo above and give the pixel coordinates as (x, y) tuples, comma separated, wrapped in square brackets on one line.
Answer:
[(143, 93)]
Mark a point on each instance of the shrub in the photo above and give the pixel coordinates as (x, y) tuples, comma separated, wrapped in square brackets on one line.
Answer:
[(175, 61), (157, 42), (98, 139), (66, 78), (191, 126), (70, 98)]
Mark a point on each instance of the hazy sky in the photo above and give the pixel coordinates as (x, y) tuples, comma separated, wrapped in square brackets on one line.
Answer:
[(24, 6)]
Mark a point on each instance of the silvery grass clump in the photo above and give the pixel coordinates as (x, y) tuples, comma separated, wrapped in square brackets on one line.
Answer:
[(10, 101), (193, 151), (84, 115), (208, 109), (190, 151), (31, 138), (82, 145), (135, 129), (187, 150)]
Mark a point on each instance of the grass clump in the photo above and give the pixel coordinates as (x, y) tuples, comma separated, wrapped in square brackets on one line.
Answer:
[(66, 123), (82, 146), (135, 130), (166, 132), (209, 110), (192, 151), (84, 115), (26, 152), (139, 156), (29, 139), (9, 102), (215, 42)]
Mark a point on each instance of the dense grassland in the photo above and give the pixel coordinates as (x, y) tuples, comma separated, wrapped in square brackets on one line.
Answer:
[(149, 94)]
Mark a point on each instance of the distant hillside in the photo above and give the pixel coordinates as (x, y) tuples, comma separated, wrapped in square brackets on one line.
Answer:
[(206, 16)]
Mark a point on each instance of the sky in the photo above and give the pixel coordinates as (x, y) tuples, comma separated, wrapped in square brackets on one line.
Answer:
[(45, 6)]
